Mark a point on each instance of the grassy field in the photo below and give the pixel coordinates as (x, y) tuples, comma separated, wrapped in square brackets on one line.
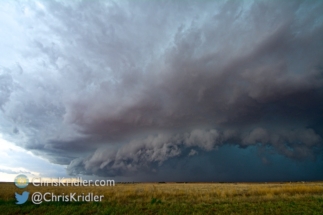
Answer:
[(176, 198)]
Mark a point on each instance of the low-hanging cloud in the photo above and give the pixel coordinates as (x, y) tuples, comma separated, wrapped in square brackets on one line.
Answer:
[(141, 155), (113, 89)]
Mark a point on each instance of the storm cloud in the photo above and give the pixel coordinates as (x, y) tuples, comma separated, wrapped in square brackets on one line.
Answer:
[(120, 88)]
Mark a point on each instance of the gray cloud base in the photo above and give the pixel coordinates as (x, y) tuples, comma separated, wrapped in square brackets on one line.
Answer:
[(114, 89)]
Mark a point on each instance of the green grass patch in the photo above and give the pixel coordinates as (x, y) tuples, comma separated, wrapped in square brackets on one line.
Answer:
[(306, 205)]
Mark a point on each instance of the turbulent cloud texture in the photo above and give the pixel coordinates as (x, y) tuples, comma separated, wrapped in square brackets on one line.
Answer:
[(117, 88)]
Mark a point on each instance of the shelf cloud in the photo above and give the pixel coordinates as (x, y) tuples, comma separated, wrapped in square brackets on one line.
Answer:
[(120, 88)]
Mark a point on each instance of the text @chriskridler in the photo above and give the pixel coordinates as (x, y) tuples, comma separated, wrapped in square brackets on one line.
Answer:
[(38, 198)]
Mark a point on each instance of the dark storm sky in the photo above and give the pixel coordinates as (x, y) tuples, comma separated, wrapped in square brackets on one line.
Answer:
[(166, 90)]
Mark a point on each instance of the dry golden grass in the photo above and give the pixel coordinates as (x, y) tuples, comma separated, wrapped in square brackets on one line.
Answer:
[(180, 192)]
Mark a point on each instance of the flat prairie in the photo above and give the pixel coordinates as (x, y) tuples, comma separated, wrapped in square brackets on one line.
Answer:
[(173, 198)]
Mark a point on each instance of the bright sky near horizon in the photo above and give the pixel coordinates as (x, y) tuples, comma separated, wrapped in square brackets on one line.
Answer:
[(16, 160)]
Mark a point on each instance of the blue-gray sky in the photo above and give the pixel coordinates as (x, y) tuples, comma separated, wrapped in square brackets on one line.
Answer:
[(162, 90)]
